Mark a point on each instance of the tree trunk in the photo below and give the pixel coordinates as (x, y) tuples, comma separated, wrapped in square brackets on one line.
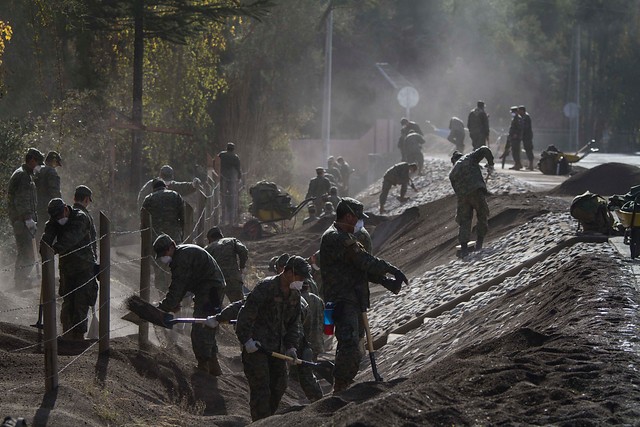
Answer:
[(136, 113)]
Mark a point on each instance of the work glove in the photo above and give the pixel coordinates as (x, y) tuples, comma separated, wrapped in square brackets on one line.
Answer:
[(31, 225), (293, 353), (414, 187), (394, 285), (399, 275), (490, 169), (211, 322), (196, 182), (251, 346)]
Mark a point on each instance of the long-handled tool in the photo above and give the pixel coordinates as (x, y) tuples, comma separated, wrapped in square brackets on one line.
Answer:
[(372, 356), (145, 311), (324, 368)]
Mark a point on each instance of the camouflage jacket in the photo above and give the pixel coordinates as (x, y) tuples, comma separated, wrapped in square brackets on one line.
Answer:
[(167, 213), (516, 128), (182, 188), (527, 131), (318, 186), (398, 174), (230, 165), (48, 185), (346, 268), (466, 175), (478, 122), (194, 270), (313, 321), (22, 197), (227, 252), (71, 241), (92, 228), (270, 317)]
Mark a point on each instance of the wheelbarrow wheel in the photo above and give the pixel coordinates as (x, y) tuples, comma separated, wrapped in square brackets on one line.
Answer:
[(634, 242), (252, 229)]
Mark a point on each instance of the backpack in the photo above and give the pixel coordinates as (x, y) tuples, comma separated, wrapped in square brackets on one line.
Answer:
[(592, 213)]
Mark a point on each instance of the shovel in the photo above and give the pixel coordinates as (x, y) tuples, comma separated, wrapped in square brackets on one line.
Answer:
[(372, 356), (323, 368)]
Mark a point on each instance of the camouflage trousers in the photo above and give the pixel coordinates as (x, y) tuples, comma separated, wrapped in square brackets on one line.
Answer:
[(386, 186), (349, 331), (474, 201), (267, 378), (233, 290), (25, 258), (203, 338), (79, 291), (306, 378)]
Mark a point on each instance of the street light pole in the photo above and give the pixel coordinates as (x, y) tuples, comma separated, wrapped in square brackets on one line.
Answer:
[(326, 104)]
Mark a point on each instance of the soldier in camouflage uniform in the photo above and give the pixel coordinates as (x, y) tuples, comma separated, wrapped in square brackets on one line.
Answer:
[(413, 147), (527, 134), (346, 269), (271, 319), (515, 137), (478, 125), (231, 256), (48, 185), (470, 188), (166, 174), (22, 202), (81, 199), (68, 232), (398, 174), (311, 342), (194, 270), (407, 127), (166, 208), (318, 187)]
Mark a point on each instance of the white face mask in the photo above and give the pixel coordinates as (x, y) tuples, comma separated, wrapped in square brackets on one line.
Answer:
[(513, 114), (37, 168), (315, 267), (359, 225), (297, 285), (165, 259), (63, 221)]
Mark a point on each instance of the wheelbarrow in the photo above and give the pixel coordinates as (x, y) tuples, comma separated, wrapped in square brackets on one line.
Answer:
[(252, 229), (555, 162)]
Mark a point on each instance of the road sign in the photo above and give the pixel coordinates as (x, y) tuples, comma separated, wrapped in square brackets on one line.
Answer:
[(571, 110), (408, 97)]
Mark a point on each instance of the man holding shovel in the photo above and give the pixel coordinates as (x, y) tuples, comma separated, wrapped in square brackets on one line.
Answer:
[(194, 270), (347, 268), (270, 321)]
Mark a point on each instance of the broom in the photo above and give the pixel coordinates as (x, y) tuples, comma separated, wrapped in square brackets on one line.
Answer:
[(149, 312)]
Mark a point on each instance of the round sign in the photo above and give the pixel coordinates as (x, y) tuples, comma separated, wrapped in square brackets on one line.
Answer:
[(571, 110), (408, 97)]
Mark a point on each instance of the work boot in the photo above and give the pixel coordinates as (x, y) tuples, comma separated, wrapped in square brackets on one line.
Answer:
[(382, 210), (516, 167), (214, 366), (340, 385), (402, 199), (464, 250), (530, 165), (203, 365), (479, 244)]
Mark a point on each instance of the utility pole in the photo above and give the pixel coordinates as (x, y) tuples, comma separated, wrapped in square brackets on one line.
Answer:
[(326, 104)]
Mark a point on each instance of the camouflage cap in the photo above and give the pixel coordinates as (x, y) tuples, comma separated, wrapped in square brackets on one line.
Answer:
[(282, 260), (214, 233), (455, 156), (319, 169), (166, 172), (55, 207), (349, 205), (231, 146), (53, 155), (272, 264), (161, 244), (83, 191), (34, 153), (404, 121), (158, 183), (299, 266)]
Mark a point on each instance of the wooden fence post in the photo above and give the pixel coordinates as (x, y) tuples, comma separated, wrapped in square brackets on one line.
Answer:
[(50, 321), (146, 249), (105, 283)]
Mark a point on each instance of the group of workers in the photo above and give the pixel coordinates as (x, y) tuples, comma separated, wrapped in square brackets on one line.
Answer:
[(282, 314)]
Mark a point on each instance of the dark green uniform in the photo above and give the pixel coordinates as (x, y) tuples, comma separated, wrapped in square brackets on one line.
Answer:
[(515, 139), (182, 188), (92, 228), (21, 206), (166, 208), (312, 310), (318, 187), (273, 320), (194, 270), (397, 174), (478, 125), (78, 286), (470, 188), (347, 269), (231, 256), (413, 146), (48, 187)]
